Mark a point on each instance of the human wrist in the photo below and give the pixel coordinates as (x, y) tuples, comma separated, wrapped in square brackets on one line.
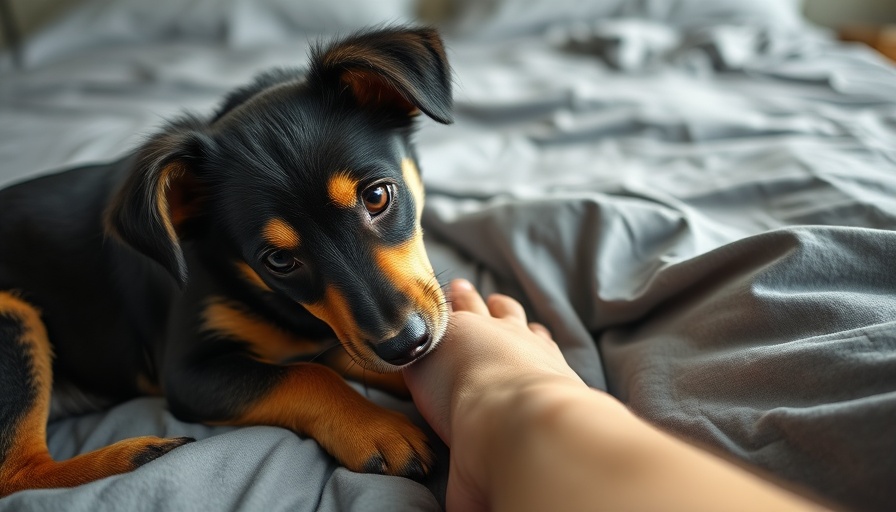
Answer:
[(493, 425), (509, 401)]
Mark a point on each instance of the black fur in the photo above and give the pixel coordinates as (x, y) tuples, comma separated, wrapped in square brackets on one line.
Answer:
[(15, 382), (122, 258)]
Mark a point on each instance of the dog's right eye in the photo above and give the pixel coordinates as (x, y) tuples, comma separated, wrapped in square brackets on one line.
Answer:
[(280, 262)]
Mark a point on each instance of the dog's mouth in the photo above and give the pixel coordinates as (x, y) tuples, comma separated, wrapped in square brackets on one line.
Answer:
[(394, 346), (386, 327), (419, 335), (411, 343)]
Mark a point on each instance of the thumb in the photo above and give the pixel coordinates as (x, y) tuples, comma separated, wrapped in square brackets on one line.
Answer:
[(430, 391)]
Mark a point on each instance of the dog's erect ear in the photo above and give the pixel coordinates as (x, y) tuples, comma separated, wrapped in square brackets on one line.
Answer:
[(399, 69), (161, 195)]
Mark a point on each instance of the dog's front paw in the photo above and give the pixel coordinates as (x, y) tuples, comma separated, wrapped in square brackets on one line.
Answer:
[(380, 441)]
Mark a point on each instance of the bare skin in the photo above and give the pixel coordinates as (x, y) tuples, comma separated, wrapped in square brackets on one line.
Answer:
[(526, 433)]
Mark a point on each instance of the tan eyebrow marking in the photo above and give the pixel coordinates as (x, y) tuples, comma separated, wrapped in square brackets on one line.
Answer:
[(343, 190), (280, 234)]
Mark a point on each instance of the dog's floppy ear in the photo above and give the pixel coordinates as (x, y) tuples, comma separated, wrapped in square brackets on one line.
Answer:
[(160, 196), (398, 69)]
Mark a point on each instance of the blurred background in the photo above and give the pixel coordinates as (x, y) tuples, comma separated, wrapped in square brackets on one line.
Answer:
[(31, 14), (869, 21)]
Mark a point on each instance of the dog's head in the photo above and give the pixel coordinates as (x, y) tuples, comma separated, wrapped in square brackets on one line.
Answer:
[(307, 184)]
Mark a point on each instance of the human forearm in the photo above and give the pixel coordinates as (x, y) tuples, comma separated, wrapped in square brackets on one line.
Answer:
[(561, 447)]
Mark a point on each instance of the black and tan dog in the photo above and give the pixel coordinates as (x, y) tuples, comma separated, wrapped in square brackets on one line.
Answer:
[(226, 253)]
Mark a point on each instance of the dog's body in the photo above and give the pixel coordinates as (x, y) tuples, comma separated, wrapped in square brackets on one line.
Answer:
[(214, 264)]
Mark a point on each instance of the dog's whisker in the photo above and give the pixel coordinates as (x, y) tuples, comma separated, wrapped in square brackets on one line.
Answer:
[(324, 351), (349, 367), (439, 274), (364, 382)]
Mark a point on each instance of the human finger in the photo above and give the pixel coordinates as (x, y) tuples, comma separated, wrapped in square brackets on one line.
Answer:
[(502, 306), (464, 297), (540, 330)]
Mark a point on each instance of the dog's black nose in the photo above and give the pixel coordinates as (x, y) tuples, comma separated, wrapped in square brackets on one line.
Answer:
[(409, 344)]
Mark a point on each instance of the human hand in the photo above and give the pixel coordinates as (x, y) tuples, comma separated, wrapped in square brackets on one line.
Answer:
[(526, 434), (482, 370)]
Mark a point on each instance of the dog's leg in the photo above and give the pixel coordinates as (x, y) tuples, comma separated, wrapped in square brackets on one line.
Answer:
[(25, 387), (307, 398)]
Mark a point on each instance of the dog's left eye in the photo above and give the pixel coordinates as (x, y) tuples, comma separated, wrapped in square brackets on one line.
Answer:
[(280, 262), (376, 198)]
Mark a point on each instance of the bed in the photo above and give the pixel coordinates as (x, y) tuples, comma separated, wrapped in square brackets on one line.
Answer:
[(697, 198)]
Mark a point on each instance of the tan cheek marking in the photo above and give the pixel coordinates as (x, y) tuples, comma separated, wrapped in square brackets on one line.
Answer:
[(412, 179), (408, 269), (280, 234), (343, 190), (334, 310), (408, 264), (250, 275), (268, 343)]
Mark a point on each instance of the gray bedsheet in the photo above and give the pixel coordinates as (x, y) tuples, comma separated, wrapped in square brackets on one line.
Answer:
[(703, 215)]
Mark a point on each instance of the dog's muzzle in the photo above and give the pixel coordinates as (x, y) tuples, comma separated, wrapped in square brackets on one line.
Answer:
[(411, 343)]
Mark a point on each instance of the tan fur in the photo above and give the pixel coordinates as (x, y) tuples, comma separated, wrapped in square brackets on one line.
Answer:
[(412, 179), (343, 190), (408, 269), (249, 274), (314, 400), (168, 209), (392, 382), (28, 464), (334, 310), (267, 342), (280, 234)]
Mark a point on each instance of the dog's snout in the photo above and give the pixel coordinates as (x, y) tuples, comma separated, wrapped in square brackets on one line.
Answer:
[(412, 342)]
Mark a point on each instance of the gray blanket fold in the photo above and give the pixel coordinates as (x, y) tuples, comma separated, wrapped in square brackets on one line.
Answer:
[(781, 350)]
